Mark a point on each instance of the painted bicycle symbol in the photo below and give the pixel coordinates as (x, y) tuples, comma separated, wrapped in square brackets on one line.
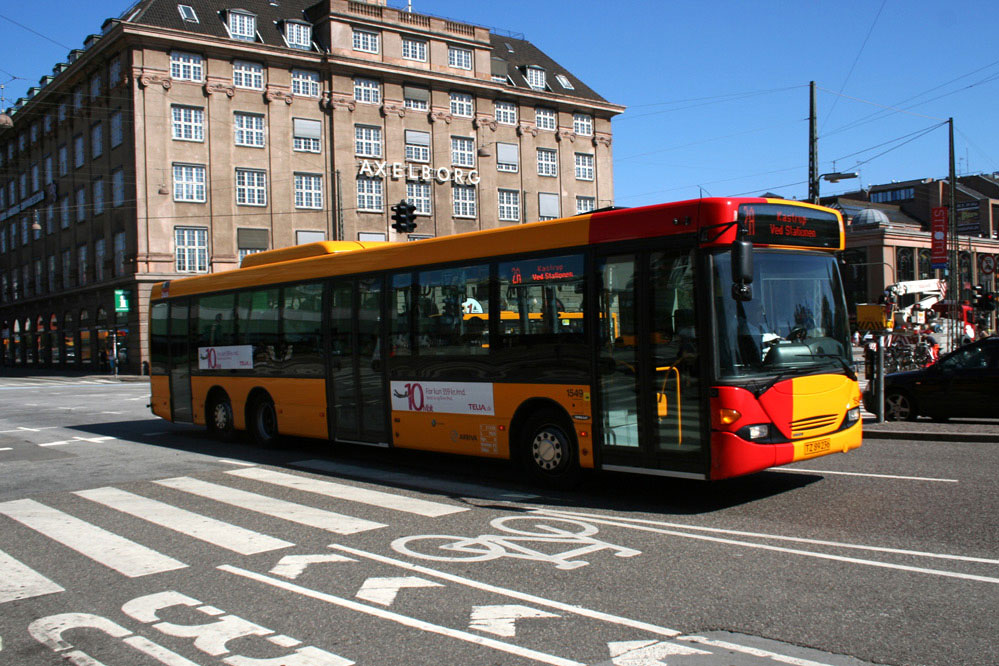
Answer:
[(549, 536)]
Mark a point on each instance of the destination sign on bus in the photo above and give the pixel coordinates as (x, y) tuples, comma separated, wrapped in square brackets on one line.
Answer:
[(774, 224), (552, 269)]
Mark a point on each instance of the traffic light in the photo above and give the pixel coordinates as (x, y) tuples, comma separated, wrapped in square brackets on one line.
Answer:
[(403, 214), (978, 292), (988, 302)]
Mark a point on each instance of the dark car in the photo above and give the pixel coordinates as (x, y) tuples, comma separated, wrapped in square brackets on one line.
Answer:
[(965, 382)]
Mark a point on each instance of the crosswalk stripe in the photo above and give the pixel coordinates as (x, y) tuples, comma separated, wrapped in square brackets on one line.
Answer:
[(126, 557), (270, 506), (349, 493), (18, 581), (210, 530)]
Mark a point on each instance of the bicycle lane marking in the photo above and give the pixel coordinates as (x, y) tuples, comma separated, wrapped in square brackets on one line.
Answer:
[(404, 620), (661, 528)]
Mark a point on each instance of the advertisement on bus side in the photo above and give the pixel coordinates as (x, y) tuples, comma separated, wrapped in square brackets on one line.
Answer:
[(443, 397)]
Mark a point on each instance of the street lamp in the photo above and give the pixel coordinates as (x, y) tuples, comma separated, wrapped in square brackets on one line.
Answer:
[(832, 177)]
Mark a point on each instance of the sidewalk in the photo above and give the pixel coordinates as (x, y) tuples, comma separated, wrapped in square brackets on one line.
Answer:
[(43, 373)]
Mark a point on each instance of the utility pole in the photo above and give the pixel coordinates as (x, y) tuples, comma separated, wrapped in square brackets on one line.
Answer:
[(813, 147), (954, 284)]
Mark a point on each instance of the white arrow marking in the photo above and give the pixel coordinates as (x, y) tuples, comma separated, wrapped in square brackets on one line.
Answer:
[(383, 590), (501, 620), (646, 653), (292, 566)]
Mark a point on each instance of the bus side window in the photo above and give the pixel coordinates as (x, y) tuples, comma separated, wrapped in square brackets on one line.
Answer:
[(454, 311)]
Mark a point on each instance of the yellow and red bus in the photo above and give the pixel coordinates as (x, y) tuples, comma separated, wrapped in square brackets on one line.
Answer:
[(702, 339)]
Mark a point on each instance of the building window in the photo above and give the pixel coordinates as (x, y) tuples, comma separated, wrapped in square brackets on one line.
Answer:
[(464, 200), (189, 183), (506, 113), (242, 26), (114, 73), (582, 124), (585, 205), (192, 249), (418, 194), (545, 119), (188, 123), (81, 205), (81, 265), (367, 141), (509, 205), (547, 162), (564, 81), (95, 91), (248, 75), (536, 78), (98, 187), (34, 133), (99, 260), (584, 166), (78, 155), (507, 157), (64, 213), (417, 146), (308, 191), (61, 112), (367, 91), (249, 129), (117, 188), (459, 58), (365, 41), (548, 208), (251, 187), (890, 196), (414, 49), (462, 151), (307, 135), (117, 130), (119, 253), (187, 66), (67, 269), (77, 106), (369, 194), (298, 35), (417, 99), (187, 13), (63, 159), (304, 83), (461, 105)]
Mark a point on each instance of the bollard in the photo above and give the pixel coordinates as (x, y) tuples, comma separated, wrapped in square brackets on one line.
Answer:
[(879, 378)]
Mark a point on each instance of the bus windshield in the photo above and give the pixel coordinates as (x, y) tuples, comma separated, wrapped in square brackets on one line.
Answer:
[(796, 322)]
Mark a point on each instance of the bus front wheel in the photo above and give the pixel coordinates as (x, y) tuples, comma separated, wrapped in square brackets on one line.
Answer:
[(263, 424), (548, 450)]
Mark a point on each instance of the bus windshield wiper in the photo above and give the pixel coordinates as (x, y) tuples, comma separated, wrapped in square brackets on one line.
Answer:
[(780, 376), (846, 366)]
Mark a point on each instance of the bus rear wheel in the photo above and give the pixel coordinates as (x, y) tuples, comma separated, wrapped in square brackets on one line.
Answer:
[(262, 422), (219, 417), (548, 450)]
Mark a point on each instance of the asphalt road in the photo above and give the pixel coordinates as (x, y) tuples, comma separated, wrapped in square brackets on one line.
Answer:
[(125, 539)]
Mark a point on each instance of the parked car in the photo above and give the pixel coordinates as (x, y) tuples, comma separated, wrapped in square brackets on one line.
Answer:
[(964, 382)]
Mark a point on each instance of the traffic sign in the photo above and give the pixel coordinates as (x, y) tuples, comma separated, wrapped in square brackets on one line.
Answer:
[(987, 263), (121, 300)]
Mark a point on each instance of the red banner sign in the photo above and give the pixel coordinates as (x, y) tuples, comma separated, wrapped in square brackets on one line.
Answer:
[(938, 228)]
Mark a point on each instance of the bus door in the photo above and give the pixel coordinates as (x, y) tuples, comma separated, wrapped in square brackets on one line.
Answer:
[(356, 387), (180, 361), (651, 414)]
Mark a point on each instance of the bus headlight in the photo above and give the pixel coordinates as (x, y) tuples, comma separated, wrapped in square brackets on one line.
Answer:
[(852, 415), (761, 431)]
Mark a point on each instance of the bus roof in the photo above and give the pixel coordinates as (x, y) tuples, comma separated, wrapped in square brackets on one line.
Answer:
[(328, 258)]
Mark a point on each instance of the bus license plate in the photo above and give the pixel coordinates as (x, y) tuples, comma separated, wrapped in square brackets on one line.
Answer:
[(818, 446)]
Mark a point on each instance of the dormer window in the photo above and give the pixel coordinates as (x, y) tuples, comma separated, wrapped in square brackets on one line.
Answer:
[(187, 13), (564, 81), (298, 35), (242, 25), (536, 78)]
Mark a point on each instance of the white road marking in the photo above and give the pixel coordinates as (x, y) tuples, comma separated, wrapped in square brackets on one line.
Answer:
[(75, 440), (296, 513), (383, 591), (350, 493), (513, 594), (501, 620), (7, 448), (234, 462), (404, 620), (23, 429), (222, 534), (18, 581), (628, 523), (115, 552), (756, 652), (873, 476), (292, 566), (647, 653)]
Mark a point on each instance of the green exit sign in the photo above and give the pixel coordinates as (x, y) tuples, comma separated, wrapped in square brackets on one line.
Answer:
[(121, 300)]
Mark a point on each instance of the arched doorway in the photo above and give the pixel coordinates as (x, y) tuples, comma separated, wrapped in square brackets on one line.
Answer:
[(69, 339), (55, 341), (86, 343)]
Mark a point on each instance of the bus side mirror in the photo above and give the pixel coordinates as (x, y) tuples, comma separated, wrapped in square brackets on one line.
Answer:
[(742, 270)]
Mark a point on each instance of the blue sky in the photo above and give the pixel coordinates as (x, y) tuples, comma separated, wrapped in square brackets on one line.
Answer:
[(717, 92)]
